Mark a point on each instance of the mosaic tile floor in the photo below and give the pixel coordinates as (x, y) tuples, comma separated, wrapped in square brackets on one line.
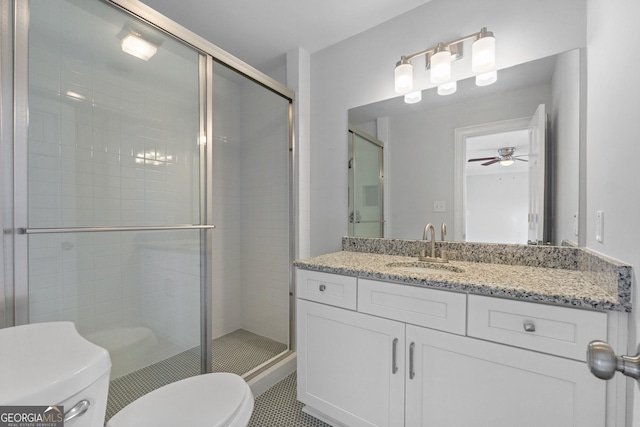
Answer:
[(237, 352), (278, 407)]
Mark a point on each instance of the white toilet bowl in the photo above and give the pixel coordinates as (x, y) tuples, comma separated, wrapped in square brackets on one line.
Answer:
[(51, 364), (210, 400)]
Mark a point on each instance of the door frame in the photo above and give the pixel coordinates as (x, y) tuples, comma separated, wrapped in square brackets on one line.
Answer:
[(460, 162)]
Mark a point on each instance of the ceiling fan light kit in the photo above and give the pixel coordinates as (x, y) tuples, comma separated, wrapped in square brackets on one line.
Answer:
[(505, 157)]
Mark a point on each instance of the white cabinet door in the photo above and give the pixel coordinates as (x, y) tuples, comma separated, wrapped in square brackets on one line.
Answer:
[(461, 381), (346, 365)]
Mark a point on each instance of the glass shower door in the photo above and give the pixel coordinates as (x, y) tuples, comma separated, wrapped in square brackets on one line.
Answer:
[(365, 186), (113, 220)]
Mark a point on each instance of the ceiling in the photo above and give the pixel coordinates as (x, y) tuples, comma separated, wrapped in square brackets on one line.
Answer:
[(261, 32)]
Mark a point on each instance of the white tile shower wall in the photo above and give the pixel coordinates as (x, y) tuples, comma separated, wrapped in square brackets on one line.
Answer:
[(228, 259), (120, 150), (265, 213), (250, 193)]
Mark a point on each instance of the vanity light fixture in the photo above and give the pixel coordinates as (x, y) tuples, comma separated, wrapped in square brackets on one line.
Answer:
[(439, 58), (404, 76), (486, 79), (448, 88), (413, 97), (134, 44)]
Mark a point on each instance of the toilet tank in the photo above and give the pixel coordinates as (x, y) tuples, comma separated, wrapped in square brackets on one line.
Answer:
[(47, 364)]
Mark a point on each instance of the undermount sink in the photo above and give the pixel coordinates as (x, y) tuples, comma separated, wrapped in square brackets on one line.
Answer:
[(425, 267)]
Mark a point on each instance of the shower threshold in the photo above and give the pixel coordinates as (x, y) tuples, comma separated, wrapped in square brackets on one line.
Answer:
[(238, 352)]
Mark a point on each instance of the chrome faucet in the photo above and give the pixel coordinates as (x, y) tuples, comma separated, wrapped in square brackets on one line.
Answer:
[(427, 228), (443, 231)]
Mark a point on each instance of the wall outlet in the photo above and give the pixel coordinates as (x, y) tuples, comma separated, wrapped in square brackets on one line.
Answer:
[(439, 206), (600, 226)]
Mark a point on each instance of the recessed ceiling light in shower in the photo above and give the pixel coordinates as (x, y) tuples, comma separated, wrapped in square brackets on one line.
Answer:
[(135, 43)]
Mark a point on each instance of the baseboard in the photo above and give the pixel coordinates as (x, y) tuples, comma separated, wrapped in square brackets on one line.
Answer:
[(322, 417)]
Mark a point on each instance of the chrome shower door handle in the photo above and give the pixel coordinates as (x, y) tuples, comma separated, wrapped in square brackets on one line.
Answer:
[(394, 356), (411, 351)]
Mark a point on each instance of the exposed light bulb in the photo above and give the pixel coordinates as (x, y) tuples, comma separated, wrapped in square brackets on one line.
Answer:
[(447, 88), (413, 97), (403, 77)]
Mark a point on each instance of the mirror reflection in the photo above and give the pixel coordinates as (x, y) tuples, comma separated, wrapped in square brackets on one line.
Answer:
[(526, 126)]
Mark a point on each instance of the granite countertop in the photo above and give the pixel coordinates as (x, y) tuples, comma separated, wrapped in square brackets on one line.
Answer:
[(566, 287)]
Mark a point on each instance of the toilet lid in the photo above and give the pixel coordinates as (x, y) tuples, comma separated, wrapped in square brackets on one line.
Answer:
[(202, 401)]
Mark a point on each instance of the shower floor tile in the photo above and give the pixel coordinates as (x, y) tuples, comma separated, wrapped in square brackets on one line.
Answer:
[(237, 352)]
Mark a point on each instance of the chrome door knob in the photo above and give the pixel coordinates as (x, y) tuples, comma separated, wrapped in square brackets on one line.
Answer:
[(603, 362)]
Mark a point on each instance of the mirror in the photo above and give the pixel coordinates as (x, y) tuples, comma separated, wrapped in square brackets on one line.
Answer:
[(428, 178)]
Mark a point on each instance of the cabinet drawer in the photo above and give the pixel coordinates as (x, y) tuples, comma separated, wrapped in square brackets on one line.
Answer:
[(555, 330), (327, 288), (431, 308)]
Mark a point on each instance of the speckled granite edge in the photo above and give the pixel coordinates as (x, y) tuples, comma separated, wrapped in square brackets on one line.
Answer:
[(493, 253), (563, 300), (612, 276)]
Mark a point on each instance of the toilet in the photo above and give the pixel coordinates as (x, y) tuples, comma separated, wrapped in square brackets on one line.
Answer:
[(47, 364)]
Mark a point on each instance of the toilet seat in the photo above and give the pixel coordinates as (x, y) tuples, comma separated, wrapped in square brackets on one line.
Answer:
[(209, 400)]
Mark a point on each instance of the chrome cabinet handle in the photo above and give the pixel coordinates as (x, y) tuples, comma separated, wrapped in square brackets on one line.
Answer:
[(322, 287), (411, 371), (78, 409), (529, 327), (603, 362), (394, 356)]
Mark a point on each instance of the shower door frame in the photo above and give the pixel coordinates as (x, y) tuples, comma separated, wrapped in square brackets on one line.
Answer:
[(14, 293)]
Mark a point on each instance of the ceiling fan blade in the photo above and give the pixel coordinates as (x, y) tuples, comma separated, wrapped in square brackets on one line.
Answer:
[(520, 160), (495, 160), (482, 159)]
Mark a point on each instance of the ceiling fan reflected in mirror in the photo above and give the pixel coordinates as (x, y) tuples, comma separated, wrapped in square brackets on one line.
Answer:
[(505, 157)]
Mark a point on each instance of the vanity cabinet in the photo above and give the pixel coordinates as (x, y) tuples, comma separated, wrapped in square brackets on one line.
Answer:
[(461, 381), (411, 356), (351, 367)]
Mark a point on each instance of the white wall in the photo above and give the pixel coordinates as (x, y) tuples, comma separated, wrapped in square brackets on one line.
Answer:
[(360, 71), (564, 118), (613, 150), (497, 207)]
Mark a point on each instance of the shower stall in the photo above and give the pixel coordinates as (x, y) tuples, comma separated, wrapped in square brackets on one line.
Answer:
[(146, 192)]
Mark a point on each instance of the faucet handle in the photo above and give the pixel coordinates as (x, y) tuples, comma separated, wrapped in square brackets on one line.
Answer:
[(443, 231)]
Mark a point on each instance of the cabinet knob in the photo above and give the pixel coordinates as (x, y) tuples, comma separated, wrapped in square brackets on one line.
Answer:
[(529, 327), (603, 362), (322, 287)]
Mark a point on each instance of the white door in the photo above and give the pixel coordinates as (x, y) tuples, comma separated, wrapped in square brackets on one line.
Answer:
[(461, 381), (537, 152), (350, 365)]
